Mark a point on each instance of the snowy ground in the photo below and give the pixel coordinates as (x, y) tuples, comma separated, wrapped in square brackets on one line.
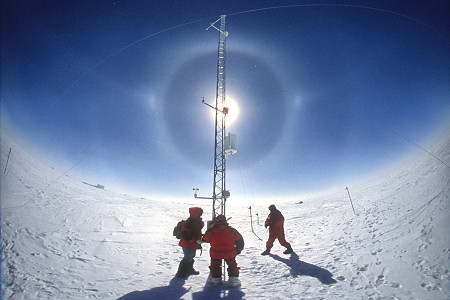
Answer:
[(62, 239)]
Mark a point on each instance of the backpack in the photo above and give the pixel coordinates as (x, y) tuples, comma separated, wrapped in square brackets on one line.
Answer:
[(177, 232)]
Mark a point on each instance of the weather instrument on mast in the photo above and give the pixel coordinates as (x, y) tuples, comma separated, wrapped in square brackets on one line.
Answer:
[(224, 145)]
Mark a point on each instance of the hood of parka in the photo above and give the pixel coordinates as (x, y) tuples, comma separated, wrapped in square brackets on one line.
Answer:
[(195, 212)]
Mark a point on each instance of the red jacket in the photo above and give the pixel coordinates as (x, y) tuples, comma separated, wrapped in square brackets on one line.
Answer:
[(225, 241), (275, 219), (192, 229)]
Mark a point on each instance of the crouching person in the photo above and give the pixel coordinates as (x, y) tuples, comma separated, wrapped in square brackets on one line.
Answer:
[(191, 232), (226, 242)]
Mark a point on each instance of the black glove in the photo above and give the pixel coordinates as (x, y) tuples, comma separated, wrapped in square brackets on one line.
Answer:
[(267, 225), (238, 251)]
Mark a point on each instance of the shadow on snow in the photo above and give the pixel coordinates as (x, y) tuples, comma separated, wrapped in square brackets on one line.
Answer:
[(176, 290), (301, 268), (216, 292)]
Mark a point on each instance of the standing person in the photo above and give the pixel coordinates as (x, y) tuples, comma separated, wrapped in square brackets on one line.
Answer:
[(191, 232), (275, 222), (226, 242)]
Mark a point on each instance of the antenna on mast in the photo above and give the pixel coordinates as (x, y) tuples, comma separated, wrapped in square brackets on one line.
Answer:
[(224, 145), (219, 29)]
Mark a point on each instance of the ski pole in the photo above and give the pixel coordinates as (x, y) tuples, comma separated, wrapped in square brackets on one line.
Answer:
[(350, 200)]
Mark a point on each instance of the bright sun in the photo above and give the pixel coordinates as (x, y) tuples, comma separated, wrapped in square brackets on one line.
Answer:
[(233, 110)]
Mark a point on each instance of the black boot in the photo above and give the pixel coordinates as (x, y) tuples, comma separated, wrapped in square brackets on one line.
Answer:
[(266, 252), (288, 250), (190, 268), (183, 271)]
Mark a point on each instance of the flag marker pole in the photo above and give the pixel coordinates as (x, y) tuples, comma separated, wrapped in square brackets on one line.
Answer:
[(350, 200), (7, 160)]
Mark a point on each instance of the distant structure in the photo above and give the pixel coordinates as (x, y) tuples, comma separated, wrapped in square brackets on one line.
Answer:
[(224, 145), (99, 186)]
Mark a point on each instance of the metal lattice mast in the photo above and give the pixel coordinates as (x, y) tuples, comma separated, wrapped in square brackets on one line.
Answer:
[(219, 188), (223, 145)]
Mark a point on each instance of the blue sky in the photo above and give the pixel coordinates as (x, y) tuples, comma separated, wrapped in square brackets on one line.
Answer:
[(327, 93)]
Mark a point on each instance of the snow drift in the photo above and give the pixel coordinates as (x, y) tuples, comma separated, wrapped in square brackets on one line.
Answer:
[(62, 239)]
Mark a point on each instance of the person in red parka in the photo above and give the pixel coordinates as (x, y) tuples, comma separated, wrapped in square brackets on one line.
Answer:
[(191, 232), (226, 242), (275, 222)]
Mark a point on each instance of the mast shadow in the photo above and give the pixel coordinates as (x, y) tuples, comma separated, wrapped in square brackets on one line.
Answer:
[(301, 268)]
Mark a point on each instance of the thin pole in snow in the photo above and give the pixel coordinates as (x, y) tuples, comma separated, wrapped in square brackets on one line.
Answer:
[(251, 219), (350, 200), (7, 160), (251, 223)]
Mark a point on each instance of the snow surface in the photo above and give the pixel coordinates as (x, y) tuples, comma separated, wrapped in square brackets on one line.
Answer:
[(62, 239)]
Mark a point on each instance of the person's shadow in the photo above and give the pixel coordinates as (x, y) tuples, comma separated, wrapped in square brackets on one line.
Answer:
[(175, 290), (301, 268), (218, 292)]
